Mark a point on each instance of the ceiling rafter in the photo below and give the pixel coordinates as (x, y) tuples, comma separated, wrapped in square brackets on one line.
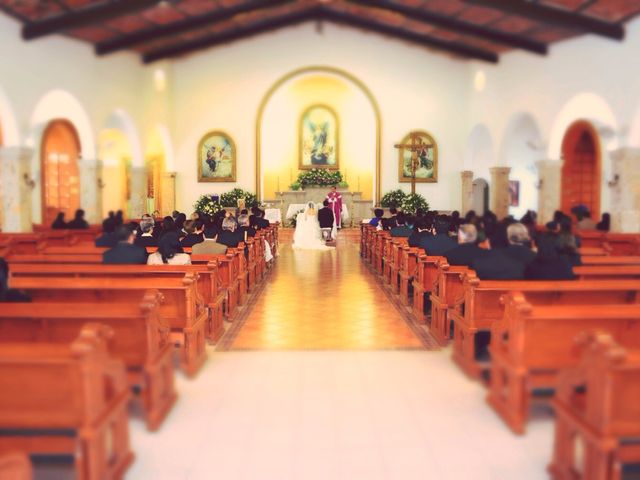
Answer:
[(459, 26), (318, 13), (84, 17), (218, 16), (555, 16)]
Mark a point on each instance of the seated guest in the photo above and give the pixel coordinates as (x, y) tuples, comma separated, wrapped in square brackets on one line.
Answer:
[(209, 246), (146, 239), (59, 223), (125, 252), (228, 234), (567, 243), (78, 222), (467, 250), (119, 218), (179, 224), (519, 247), (379, 213), (260, 222), (498, 266), (194, 229), (389, 223), (169, 252), (583, 217), (9, 295), (244, 229), (168, 225), (549, 265), (420, 229), (108, 237), (439, 243), (605, 224), (401, 229)]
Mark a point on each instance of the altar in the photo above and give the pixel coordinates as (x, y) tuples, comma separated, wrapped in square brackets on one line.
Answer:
[(354, 208)]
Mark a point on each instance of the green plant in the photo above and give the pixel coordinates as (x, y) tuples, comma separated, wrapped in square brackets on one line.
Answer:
[(206, 204), (294, 220), (343, 184), (319, 177), (394, 198), (230, 199), (412, 202), (295, 186)]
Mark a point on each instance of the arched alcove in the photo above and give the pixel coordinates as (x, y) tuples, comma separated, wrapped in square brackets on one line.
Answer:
[(59, 153), (158, 159), (581, 170), (521, 147), (479, 196), (358, 119), (479, 154)]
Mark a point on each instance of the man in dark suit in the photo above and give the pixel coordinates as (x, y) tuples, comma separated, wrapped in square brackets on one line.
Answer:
[(439, 243), (194, 235), (125, 252), (257, 220), (325, 216), (421, 230), (228, 236), (467, 250), (401, 229), (108, 237), (519, 247), (498, 266)]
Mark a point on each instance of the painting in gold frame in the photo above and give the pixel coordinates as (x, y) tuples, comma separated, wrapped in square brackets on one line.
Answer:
[(427, 171), (216, 158), (318, 134)]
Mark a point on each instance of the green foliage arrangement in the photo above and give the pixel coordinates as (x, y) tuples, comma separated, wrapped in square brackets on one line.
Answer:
[(293, 221), (320, 177), (412, 202), (394, 198), (230, 199), (208, 204)]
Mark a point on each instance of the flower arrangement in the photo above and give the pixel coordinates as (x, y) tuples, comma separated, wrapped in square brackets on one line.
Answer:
[(207, 204), (414, 202), (394, 198), (318, 177), (293, 221), (230, 199)]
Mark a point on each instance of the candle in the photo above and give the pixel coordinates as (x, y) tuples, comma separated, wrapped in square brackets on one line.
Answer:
[(358, 184), (278, 187)]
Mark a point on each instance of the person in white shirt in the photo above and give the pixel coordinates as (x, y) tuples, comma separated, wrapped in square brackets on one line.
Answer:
[(169, 252)]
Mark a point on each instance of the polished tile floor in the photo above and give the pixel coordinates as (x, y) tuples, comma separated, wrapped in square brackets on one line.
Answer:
[(323, 300)]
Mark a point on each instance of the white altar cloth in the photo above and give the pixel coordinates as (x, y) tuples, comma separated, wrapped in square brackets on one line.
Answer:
[(273, 215)]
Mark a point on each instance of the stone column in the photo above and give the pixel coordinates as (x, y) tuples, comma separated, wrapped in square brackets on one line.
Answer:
[(499, 191), (90, 193), (16, 185), (625, 190), (168, 192), (549, 180), (467, 191), (138, 202)]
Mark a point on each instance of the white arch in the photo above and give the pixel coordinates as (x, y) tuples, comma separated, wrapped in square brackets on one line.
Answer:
[(588, 106), (62, 104), (8, 124), (167, 146), (479, 154), (119, 119)]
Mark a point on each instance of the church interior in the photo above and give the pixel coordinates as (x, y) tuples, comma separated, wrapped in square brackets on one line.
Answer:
[(469, 310)]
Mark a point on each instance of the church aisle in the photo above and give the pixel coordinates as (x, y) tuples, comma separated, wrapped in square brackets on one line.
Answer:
[(323, 301)]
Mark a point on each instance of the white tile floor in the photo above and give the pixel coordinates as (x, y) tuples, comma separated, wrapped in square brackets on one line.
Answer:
[(336, 415)]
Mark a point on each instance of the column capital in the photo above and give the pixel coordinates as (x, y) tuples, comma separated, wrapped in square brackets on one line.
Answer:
[(499, 170), (466, 174)]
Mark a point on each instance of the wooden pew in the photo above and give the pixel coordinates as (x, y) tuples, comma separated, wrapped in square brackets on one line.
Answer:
[(532, 344), (183, 307), (480, 306), (616, 243), (444, 296), (596, 406), (61, 258), (604, 272), (15, 466), (423, 284), (140, 340), (85, 415), (395, 253), (407, 273), (208, 281)]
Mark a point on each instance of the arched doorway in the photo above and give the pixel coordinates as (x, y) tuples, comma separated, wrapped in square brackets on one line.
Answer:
[(479, 196), (581, 168), (60, 150)]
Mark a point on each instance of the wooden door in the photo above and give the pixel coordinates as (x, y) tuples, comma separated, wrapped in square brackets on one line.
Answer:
[(581, 169), (60, 151)]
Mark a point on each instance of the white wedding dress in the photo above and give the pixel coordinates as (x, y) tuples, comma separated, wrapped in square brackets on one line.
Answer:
[(307, 235)]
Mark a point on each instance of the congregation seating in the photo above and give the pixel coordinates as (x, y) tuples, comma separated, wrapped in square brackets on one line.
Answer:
[(597, 414), (140, 339), (615, 243), (85, 415), (15, 466)]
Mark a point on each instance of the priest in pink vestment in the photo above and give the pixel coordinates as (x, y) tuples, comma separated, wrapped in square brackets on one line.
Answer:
[(335, 203)]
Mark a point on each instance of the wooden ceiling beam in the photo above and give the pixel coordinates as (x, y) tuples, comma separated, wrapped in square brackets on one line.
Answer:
[(319, 13), (84, 17), (555, 16), (147, 35), (458, 26)]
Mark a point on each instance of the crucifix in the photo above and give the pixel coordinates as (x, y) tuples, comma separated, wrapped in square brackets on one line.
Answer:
[(415, 145)]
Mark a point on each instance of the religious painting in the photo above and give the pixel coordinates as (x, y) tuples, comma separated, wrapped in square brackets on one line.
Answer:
[(418, 150), (514, 193), (318, 138), (216, 158)]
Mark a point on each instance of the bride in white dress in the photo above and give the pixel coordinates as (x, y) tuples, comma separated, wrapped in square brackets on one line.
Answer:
[(307, 235)]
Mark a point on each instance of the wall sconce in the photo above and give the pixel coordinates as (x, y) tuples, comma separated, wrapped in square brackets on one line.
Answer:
[(29, 182), (101, 184), (614, 182), (539, 184)]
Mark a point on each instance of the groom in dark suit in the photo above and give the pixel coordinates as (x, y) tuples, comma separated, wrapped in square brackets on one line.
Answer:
[(326, 220)]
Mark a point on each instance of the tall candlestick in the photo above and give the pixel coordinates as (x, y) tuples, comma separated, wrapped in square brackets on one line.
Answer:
[(278, 187), (291, 174), (358, 183), (345, 174)]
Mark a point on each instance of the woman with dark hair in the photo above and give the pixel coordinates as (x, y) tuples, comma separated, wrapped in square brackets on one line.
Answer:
[(168, 225), (59, 223), (605, 224), (169, 252), (549, 264), (567, 243), (78, 222), (180, 220)]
